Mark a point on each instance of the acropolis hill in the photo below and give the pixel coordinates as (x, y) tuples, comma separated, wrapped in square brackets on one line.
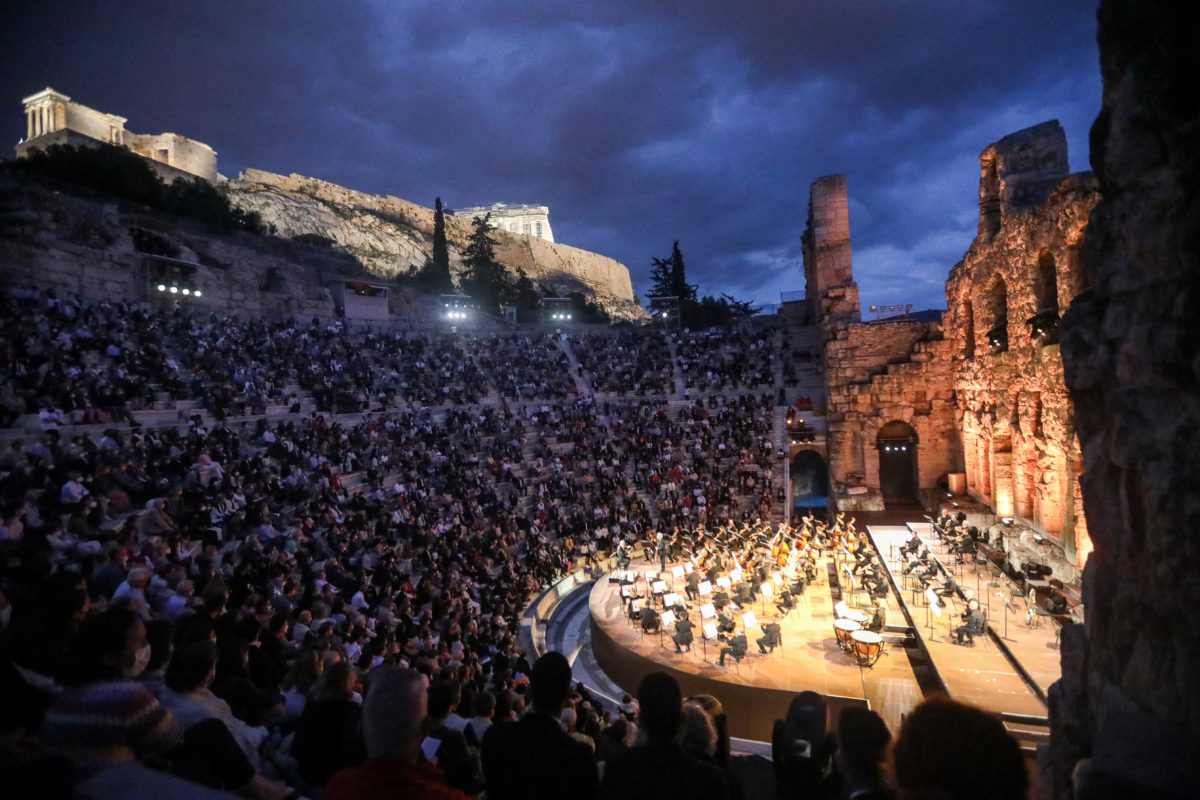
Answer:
[(387, 235)]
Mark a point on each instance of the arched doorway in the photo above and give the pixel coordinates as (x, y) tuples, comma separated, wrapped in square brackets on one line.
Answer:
[(810, 484), (897, 445)]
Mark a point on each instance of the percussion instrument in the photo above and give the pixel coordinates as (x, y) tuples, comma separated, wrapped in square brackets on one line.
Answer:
[(857, 616), (843, 628), (868, 646)]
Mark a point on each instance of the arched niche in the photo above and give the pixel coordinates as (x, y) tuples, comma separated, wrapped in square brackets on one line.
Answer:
[(996, 300)]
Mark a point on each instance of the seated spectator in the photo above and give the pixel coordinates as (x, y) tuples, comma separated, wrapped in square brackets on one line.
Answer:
[(950, 750), (394, 712), (102, 717), (189, 674), (327, 736)]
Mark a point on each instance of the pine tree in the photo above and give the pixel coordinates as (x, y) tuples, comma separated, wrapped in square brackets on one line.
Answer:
[(484, 278), (441, 252), (434, 275), (670, 277)]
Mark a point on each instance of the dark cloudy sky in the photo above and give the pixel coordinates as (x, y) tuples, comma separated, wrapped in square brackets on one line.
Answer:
[(636, 121)]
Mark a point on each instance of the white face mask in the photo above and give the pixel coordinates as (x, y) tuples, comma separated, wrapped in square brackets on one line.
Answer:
[(140, 659)]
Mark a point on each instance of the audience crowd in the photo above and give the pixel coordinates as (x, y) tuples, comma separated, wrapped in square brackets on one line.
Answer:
[(310, 581)]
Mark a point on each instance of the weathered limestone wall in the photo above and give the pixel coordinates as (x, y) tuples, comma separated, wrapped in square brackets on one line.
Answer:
[(390, 235), (1020, 453), (875, 373), (827, 253), (51, 239), (880, 373), (1128, 698)]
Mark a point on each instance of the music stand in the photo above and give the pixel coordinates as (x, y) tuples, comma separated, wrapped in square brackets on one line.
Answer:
[(708, 631), (667, 618), (1008, 610), (658, 589), (735, 576), (931, 607), (705, 588), (766, 589)]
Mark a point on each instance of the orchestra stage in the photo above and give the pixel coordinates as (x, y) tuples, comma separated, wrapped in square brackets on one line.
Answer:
[(1006, 676)]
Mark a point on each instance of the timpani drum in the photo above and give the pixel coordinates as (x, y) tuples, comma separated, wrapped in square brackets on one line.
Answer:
[(867, 647), (843, 628), (857, 616)]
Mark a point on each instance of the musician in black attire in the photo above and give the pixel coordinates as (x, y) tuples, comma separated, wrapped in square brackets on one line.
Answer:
[(623, 556), (737, 648), (786, 602), (726, 622), (692, 589), (720, 599), (772, 637), (743, 595), (974, 624), (683, 634)]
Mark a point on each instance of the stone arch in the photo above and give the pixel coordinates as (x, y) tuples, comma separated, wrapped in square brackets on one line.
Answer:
[(809, 474), (897, 444), (996, 304)]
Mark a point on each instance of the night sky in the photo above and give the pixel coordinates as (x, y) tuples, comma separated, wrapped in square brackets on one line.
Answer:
[(636, 122)]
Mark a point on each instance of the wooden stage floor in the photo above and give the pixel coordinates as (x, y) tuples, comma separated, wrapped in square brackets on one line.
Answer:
[(758, 690)]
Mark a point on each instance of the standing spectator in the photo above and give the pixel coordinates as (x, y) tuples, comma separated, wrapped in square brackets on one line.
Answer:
[(533, 758), (659, 769)]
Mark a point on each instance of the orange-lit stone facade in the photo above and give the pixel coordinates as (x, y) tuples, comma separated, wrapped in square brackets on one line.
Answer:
[(981, 391), (1019, 448)]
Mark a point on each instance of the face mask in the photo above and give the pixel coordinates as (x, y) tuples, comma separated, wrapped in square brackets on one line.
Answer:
[(140, 659)]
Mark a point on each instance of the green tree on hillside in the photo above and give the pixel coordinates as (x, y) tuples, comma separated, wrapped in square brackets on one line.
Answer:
[(484, 278), (670, 277), (434, 276), (670, 280)]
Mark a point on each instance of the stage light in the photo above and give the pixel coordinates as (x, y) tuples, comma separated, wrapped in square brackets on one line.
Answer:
[(162, 287), (174, 290), (196, 293), (187, 291)]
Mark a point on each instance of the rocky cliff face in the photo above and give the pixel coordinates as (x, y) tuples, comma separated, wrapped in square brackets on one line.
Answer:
[(1128, 698), (390, 236)]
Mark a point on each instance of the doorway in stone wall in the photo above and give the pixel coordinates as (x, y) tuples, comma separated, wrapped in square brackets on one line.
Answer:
[(897, 446), (810, 484)]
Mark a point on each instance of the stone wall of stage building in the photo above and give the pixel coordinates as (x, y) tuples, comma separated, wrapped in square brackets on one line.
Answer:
[(1019, 449), (389, 235), (1128, 699), (887, 372), (51, 239)]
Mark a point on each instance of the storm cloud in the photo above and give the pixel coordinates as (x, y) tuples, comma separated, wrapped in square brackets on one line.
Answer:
[(637, 122)]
